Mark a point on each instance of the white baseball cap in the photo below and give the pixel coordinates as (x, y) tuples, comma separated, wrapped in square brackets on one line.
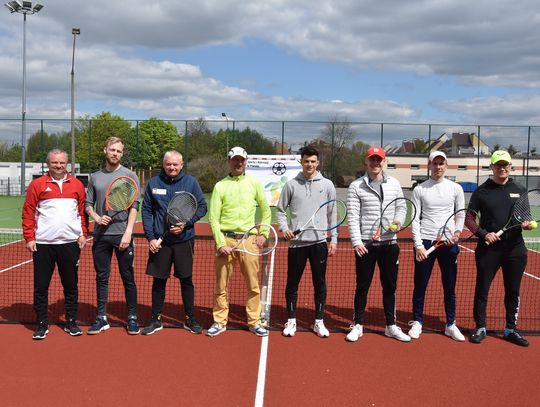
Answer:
[(233, 152), (435, 154)]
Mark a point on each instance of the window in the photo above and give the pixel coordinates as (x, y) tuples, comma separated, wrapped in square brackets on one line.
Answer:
[(462, 168), (533, 169), (415, 166), (391, 166), (485, 167)]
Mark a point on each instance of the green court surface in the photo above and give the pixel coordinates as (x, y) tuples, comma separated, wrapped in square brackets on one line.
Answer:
[(10, 211)]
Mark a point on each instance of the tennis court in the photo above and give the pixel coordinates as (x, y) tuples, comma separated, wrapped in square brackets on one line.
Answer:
[(237, 368)]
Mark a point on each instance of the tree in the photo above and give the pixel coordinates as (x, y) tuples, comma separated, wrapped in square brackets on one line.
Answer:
[(337, 135), (201, 141), (91, 135), (146, 144), (252, 141), (40, 143), (511, 150)]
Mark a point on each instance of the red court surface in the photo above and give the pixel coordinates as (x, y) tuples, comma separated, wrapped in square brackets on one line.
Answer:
[(175, 368)]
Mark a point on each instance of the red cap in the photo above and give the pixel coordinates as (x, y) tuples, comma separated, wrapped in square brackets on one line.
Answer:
[(378, 151)]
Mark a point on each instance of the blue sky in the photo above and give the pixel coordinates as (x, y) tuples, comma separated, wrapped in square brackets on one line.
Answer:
[(390, 61)]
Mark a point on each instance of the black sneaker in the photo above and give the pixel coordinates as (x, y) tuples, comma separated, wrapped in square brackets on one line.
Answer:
[(41, 331), (154, 326), (478, 335), (516, 338), (193, 326), (72, 328)]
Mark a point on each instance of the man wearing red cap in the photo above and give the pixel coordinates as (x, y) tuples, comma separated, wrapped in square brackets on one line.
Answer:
[(366, 198)]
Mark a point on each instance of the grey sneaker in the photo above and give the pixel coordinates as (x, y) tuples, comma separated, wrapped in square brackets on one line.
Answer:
[(216, 329), (259, 330), (154, 326)]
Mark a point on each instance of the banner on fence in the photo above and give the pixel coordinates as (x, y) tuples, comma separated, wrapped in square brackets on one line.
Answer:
[(273, 171)]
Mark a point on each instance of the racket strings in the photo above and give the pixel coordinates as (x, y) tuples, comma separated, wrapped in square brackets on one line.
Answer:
[(181, 210), (122, 193)]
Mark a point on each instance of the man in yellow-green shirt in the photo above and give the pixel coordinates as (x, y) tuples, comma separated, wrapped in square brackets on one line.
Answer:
[(232, 212)]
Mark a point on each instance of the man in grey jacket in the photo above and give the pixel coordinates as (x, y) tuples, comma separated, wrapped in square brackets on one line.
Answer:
[(366, 198), (303, 195)]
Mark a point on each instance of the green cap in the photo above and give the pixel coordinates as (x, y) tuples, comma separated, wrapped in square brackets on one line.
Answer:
[(501, 155)]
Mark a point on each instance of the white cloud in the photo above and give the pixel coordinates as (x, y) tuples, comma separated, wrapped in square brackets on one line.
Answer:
[(486, 44)]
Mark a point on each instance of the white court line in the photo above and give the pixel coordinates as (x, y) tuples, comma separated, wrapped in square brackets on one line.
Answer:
[(16, 265), (532, 276), (261, 376)]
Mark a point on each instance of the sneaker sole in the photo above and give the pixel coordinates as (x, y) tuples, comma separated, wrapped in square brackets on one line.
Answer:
[(73, 333), (103, 328), (187, 328), (288, 335), (152, 331), (398, 339), (133, 332), (454, 338), (38, 337)]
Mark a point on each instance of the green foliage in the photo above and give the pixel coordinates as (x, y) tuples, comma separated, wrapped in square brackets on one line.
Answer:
[(40, 143), (91, 135), (208, 170), (146, 143)]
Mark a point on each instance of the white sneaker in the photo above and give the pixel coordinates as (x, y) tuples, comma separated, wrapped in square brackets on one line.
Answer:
[(290, 327), (394, 331), (320, 329), (356, 332), (216, 329), (416, 329), (453, 332)]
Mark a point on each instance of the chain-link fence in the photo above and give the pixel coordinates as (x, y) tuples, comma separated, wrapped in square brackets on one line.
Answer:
[(204, 144)]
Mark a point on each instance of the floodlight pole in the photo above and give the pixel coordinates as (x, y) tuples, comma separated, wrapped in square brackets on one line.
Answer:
[(226, 118), (24, 9), (75, 32)]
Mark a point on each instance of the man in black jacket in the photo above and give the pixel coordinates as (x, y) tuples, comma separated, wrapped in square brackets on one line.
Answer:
[(494, 200)]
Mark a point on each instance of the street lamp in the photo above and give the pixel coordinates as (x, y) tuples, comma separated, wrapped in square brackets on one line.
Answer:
[(75, 32), (226, 118), (24, 8)]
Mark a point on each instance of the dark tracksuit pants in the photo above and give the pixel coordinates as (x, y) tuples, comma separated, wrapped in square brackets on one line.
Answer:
[(509, 255), (296, 260), (180, 256), (102, 251), (387, 258), (446, 256), (66, 256)]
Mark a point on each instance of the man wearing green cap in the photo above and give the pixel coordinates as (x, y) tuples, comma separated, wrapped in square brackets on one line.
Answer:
[(494, 200)]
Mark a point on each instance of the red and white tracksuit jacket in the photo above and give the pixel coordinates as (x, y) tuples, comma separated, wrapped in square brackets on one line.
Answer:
[(53, 212)]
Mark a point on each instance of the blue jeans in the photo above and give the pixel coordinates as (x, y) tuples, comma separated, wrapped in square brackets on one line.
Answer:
[(446, 256), (102, 251)]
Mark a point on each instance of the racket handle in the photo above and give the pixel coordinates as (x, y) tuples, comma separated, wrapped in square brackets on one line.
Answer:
[(498, 234), (430, 250), (159, 241), (296, 232)]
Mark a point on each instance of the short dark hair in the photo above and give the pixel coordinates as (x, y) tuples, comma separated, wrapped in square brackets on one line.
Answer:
[(309, 151)]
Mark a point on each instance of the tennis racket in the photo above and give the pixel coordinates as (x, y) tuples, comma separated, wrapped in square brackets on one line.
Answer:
[(180, 210), (247, 243), (457, 221), (330, 215), (120, 195), (397, 215), (525, 209)]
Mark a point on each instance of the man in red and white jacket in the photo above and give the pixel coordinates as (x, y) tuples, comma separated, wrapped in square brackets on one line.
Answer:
[(55, 227)]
